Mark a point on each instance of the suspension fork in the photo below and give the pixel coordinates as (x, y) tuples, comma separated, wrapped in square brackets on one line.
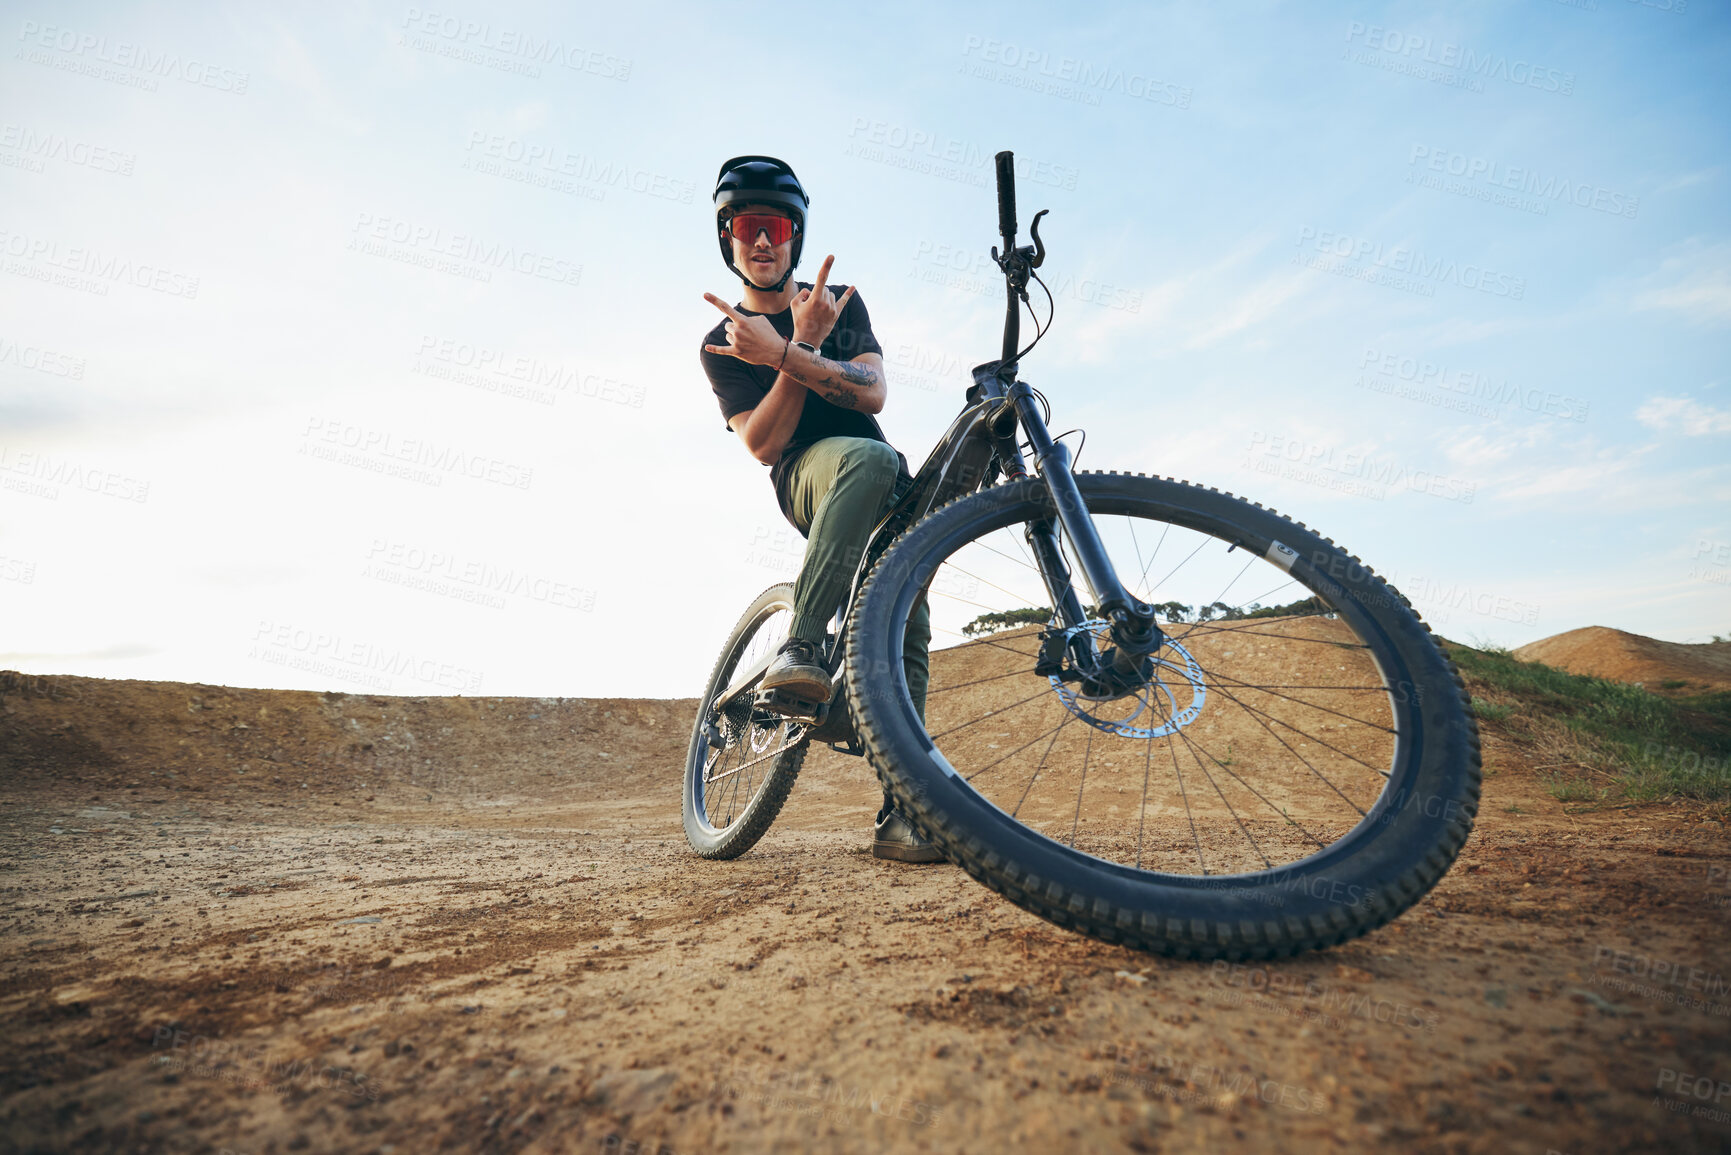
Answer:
[(1132, 620)]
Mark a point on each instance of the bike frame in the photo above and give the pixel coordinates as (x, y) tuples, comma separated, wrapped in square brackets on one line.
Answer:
[(984, 441)]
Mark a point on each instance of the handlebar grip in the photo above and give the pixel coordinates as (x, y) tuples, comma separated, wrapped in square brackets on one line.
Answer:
[(1007, 196)]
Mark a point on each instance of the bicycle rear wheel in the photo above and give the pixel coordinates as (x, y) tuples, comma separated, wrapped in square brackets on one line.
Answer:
[(1299, 767), (741, 761)]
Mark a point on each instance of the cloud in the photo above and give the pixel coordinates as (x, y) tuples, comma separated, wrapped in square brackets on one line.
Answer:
[(1539, 467), (1261, 302), (1687, 416), (1696, 283), (1685, 180)]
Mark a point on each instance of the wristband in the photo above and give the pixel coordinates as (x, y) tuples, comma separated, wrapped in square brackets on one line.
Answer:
[(784, 350)]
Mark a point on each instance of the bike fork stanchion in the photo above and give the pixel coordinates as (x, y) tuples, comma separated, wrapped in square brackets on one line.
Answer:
[(1043, 540), (1133, 627)]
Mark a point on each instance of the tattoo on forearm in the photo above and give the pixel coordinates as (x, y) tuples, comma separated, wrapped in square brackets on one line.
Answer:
[(842, 376), (854, 374)]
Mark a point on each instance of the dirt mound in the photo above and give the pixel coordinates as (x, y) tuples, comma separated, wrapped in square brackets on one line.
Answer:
[(117, 733), (1602, 652)]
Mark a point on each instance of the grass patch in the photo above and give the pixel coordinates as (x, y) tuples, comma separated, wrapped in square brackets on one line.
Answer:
[(1576, 790), (1491, 710), (1595, 736)]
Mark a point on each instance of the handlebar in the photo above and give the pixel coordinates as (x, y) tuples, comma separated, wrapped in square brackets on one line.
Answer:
[(1007, 226), (1007, 197)]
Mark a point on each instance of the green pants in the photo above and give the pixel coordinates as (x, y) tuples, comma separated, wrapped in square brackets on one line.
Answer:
[(840, 487)]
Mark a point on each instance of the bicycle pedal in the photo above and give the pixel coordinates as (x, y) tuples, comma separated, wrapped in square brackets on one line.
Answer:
[(788, 705)]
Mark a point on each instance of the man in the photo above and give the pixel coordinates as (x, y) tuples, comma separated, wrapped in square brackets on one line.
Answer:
[(799, 375)]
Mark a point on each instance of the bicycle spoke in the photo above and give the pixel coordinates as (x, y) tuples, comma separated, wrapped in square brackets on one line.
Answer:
[(972, 641), (1081, 786), (993, 584), (1223, 799), (1253, 711), (1261, 634), (782, 749), (1027, 558), (1208, 606), (1040, 693), (1017, 750), (723, 809), (1269, 690), (979, 681), (1296, 754), (1261, 797), (1130, 524), (1177, 567), (1068, 718), (731, 792), (1276, 588), (997, 645), (1189, 814), (1142, 810), (963, 600), (1142, 582), (1266, 801), (1007, 557)]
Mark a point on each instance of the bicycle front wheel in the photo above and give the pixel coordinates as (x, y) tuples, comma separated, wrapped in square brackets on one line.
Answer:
[(741, 761), (1296, 768)]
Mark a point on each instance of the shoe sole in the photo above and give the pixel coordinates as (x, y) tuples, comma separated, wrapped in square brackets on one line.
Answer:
[(902, 853), (789, 705), (805, 689)]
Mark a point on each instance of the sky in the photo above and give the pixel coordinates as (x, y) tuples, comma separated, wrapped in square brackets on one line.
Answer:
[(355, 347)]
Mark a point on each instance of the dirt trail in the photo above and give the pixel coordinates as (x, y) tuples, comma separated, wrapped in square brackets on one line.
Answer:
[(267, 922)]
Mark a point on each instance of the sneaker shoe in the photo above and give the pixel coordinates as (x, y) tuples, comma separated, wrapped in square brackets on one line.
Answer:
[(895, 837), (797, 671)]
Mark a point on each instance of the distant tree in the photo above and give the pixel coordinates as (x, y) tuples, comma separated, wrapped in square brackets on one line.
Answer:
[(1307, 607), (993, 622), (1173, 611)]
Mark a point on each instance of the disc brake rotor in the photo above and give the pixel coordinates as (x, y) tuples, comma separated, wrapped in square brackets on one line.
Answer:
[(1177, 681)]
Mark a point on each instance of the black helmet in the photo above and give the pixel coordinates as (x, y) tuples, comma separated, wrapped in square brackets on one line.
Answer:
[(759, 180)]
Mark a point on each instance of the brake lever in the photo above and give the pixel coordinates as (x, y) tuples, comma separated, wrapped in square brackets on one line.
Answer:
[(1021, 260), (1039, 256)]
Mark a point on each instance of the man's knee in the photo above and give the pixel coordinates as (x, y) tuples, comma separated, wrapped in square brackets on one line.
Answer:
[(870, 464)]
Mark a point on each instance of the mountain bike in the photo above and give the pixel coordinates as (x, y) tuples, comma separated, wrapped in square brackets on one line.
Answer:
[(1159, 714)]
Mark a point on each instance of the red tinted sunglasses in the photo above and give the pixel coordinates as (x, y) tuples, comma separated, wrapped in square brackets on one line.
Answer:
[(746, 226)]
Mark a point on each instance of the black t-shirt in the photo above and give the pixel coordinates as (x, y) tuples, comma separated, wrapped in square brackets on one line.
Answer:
[(740, 387)]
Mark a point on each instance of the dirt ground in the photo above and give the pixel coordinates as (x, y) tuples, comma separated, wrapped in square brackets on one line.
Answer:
[(263, 921)]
